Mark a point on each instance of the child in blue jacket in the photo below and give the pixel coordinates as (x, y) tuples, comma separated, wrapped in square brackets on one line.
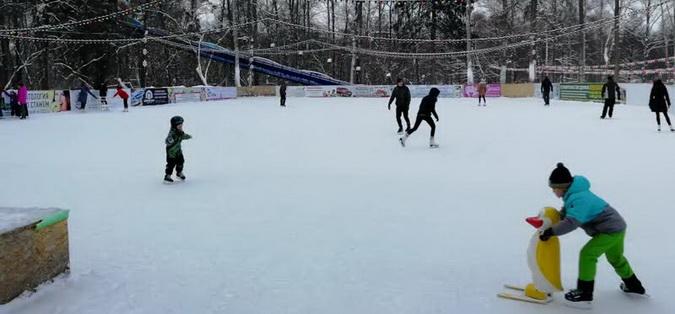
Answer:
[(602, 222)]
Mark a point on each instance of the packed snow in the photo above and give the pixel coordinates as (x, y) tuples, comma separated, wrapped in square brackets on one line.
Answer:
[(316, 208)]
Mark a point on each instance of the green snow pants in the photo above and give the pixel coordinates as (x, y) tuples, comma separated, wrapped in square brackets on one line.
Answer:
[(610, 244)]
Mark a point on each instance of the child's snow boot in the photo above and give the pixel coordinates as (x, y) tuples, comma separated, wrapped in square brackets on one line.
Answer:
[(632, 285), (582, 296)]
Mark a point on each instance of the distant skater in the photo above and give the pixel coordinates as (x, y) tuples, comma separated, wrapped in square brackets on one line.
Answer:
[(659, 102), (402, 95), (482, 90), (610, 92), (546, 89), (427, 109), (282, 93)]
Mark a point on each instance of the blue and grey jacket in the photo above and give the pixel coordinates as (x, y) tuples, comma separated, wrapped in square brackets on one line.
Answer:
[(584, 209)]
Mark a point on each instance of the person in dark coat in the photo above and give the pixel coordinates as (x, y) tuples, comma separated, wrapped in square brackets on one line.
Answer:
[(427, 109), (82, 96), (14, 103), (546, 89), (103, 96), (610, 92), (402, 95), (282, 93), (659, 102)]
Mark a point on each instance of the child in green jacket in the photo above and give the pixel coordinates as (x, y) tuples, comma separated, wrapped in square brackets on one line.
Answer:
[(602, 222), (174, 153)]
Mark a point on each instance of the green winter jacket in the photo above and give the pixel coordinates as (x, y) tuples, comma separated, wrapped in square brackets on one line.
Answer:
[(173, 148)]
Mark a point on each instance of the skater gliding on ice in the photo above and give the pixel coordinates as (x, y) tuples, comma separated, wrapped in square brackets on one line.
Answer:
[(599, 220), (402, 95), (427, 108), (659, 102), (125, 97), (546, 88), (174, 153), (282, 93), (482, 90), (23, 101), (610, 92)]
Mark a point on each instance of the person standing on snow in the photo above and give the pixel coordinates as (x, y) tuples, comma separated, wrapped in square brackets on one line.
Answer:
[(282, 93), (610, 92), (23, 101), (427, 109), (103, 96), (659, 102), (482, 90), (83, 95), (402, 95), (125, 97), (546, 89), (174, 153), (599, 220)]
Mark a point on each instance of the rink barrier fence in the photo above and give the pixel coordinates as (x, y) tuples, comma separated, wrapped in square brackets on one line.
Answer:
[(33, 251)]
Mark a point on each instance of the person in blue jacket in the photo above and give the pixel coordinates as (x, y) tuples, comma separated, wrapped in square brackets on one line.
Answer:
[(83, 95), (599, 220)]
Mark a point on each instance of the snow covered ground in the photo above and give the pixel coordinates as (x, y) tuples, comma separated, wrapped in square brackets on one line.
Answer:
[(316, 208)]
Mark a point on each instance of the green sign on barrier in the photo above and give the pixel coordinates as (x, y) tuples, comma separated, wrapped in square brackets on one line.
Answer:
[(584, 92)]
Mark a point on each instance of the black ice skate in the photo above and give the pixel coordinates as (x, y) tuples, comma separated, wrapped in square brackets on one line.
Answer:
[(167, 179), (582, 296), (181, 176), (632, 285)]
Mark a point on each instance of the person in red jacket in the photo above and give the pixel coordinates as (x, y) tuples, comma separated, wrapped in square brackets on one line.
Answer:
[(125, 97)]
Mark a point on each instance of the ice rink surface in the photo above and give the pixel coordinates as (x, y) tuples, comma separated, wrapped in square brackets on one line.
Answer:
[(316, 208)]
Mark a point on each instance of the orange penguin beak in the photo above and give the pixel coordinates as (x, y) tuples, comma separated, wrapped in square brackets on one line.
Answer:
[(535, 222)]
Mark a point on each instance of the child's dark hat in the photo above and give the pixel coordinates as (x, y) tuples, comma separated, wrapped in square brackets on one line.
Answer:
[(560, 177)]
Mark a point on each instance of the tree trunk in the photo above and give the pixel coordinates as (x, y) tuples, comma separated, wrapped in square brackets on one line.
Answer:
[(615, 55)]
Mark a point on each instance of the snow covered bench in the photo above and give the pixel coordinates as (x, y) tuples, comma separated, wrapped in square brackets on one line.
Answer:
[(33, 248)]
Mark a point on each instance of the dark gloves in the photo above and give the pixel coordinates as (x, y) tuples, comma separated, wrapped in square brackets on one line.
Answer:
[(547, 234)]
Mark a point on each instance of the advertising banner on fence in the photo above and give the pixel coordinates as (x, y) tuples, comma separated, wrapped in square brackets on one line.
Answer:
[(493, 90), (212, 93), (93, 102), (555, 94), (294, 91), (155, 96), (447, 91), (42, 101), (585, 92), (185, 94)]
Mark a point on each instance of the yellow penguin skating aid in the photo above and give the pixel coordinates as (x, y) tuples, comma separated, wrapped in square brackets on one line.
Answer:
[(543, 259)]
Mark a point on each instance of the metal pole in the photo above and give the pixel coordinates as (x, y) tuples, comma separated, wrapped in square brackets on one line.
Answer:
[(351, 73), (235, 34), (469, 66)]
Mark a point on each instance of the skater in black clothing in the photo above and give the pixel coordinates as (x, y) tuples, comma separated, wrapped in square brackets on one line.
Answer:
[(659, 102), (282, 93), (103, 96), (174, 153), (610, 92), (427, 108), (546, 88), (13, 103), (402, 95)]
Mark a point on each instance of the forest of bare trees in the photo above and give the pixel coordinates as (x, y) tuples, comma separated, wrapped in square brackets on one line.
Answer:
[(367, 41)]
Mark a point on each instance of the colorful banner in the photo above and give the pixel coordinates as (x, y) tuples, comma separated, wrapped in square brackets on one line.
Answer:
[(447, 91), (581, 91), (493, 90), (42, 102)]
